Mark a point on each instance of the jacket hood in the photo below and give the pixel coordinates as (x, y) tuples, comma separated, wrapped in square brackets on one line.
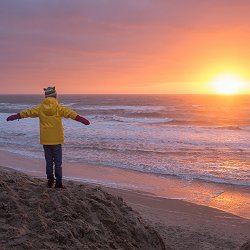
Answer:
[(49, 106)]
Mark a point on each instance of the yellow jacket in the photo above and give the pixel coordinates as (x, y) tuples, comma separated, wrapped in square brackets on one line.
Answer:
[(50, 114)]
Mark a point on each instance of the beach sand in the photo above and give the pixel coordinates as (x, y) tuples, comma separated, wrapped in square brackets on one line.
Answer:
[(78, 217), (184, 225), (181, 224)]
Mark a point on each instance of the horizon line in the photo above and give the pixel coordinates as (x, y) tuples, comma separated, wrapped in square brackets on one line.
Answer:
[(214, 94)]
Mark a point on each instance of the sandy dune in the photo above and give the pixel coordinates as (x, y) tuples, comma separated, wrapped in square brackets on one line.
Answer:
[(79, 217), (85, 216)]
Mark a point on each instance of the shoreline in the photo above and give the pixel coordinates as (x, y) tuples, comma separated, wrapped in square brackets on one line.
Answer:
[(225, 197)]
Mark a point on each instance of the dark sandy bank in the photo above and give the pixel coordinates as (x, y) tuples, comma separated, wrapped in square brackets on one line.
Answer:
[(33, 216), (84, 216)]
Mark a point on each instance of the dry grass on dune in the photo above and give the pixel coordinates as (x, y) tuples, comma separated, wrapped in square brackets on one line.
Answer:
[(79, 217)]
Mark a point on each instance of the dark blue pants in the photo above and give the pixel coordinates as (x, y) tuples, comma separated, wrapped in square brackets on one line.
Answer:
[(53, 157)]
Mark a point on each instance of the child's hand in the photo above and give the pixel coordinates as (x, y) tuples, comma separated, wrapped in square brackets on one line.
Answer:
[(82, 120), (13, 117)]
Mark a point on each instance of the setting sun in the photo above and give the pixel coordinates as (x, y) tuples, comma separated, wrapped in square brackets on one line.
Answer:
[(228, 84)]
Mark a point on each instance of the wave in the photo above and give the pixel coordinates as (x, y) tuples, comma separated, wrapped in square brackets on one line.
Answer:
[(10, 106), (181, 122), (210, 179), (177, 122), (165, 172), (152, 118), (204, 124), (145, 109), (68, 104), (190, 177), (229, 127), (116, 149), (141, 120), (161, 120), (223, 181)]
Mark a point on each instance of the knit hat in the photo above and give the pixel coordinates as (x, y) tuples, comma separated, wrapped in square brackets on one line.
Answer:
[(50, 92)]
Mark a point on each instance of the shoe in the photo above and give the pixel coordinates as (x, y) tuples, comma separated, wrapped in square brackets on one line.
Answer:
[(59, 185), (50, 183)]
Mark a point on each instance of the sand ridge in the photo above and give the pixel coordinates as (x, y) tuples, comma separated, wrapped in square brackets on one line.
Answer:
[(86, 216), (80, 217)]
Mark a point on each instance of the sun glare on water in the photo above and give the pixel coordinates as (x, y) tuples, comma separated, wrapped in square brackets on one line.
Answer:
[(227, 84)]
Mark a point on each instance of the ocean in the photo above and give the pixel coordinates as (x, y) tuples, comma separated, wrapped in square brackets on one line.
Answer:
[(192, 137)]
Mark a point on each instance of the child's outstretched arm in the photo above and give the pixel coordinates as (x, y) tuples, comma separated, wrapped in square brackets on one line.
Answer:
[(32, 112), (69, 113), (82, 120), (13, 117)]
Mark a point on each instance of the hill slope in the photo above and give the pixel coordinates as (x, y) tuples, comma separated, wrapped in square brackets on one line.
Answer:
[(79, 217)]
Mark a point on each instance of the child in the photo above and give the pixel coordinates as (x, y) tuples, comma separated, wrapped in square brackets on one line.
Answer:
[(50, 114)]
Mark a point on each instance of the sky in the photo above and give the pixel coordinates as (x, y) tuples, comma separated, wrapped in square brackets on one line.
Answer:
[(122, 46)]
